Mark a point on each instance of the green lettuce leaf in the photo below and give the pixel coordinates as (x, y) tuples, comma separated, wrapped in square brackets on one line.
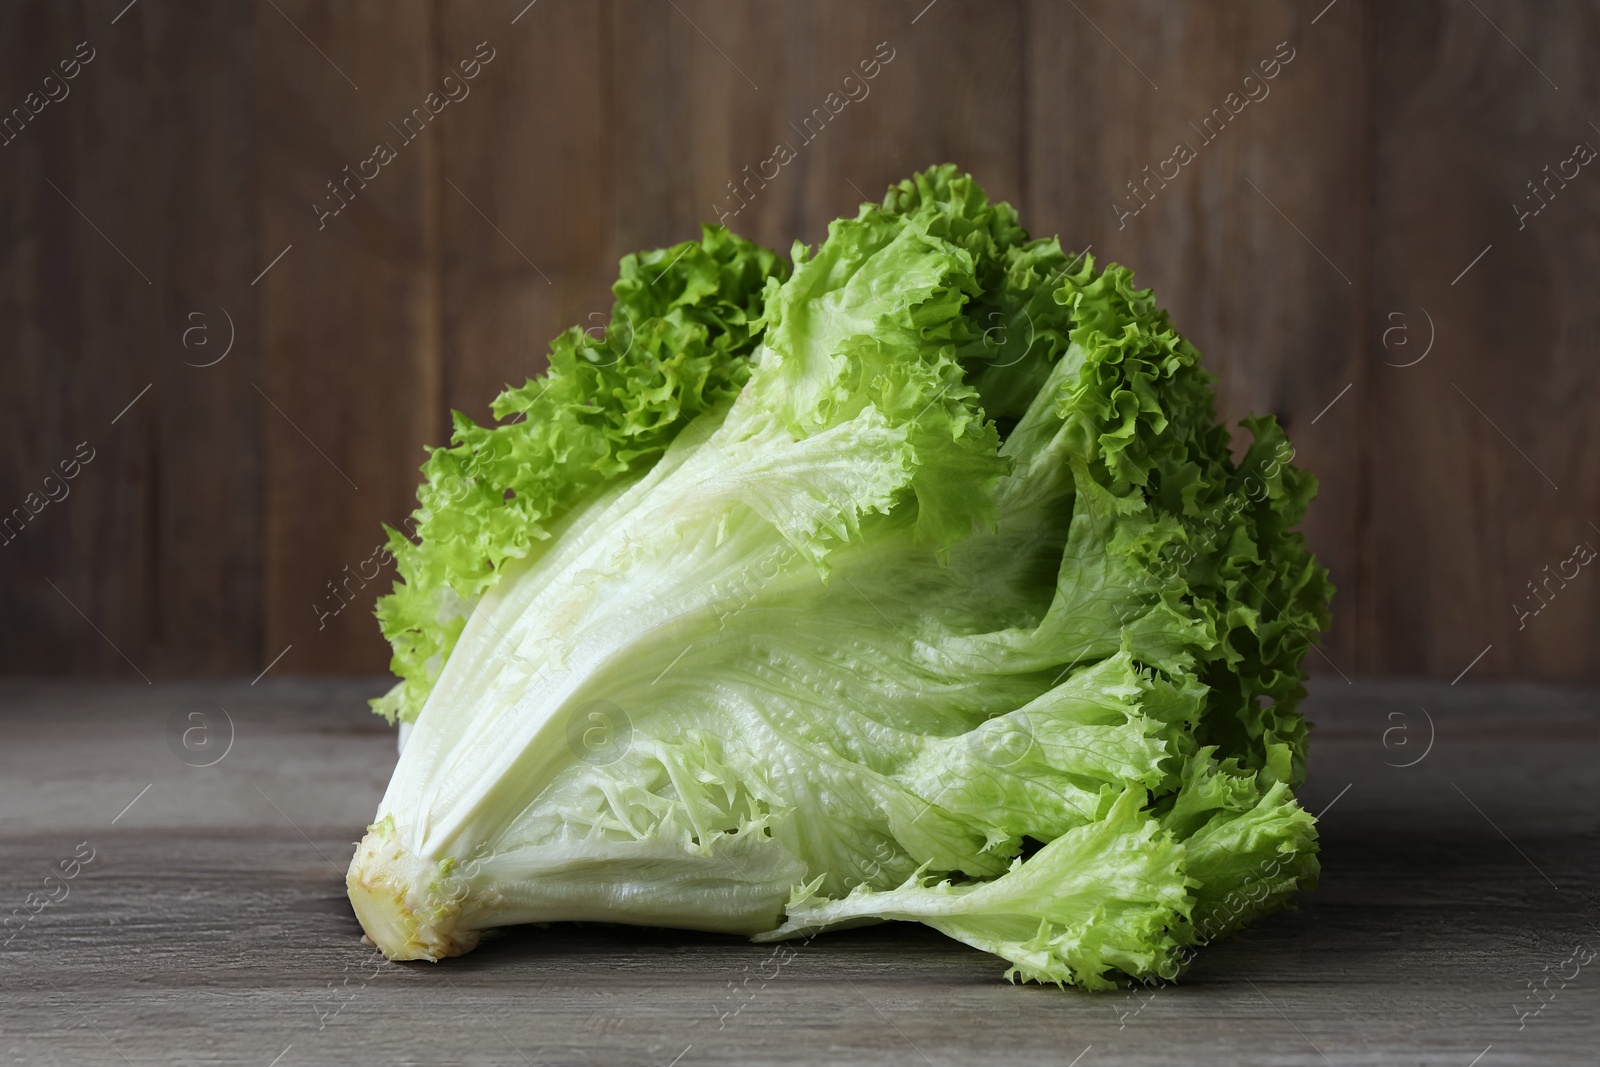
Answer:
[(678, 342)]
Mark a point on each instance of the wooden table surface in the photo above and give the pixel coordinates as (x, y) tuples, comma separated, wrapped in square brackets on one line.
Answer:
[(210, 925)]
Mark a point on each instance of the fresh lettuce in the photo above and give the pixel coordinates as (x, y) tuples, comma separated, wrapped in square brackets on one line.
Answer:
[(912, 580)]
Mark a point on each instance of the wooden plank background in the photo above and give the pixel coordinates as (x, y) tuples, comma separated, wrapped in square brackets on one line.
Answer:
[(164, 208)]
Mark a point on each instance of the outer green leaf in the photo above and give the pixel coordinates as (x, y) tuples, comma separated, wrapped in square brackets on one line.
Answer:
[(683, 326)]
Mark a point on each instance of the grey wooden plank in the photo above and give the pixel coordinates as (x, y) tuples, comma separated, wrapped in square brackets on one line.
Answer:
[(202, 602), (1480, 243), (348, 373), (1253, 235), (706, 94), (206, 948), (524, 248), (128, 256), (82, 306), (211, 925)]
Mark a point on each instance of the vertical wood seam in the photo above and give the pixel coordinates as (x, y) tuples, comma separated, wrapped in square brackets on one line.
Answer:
[(1025, 109), (258, 467), (1364, 616), (434, 253), (606, 73), (258, 223)]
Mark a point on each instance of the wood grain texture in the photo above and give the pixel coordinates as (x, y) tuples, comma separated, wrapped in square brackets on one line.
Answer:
[(350, 316), (525, 206), (203, 486), (1387, 154), (1489, 437), (1257, 245), (79, 249), (157, 541), (211, 926), (731, 84)]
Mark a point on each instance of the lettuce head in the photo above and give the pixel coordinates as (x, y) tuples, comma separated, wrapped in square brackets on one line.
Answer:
[(912, 578)]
